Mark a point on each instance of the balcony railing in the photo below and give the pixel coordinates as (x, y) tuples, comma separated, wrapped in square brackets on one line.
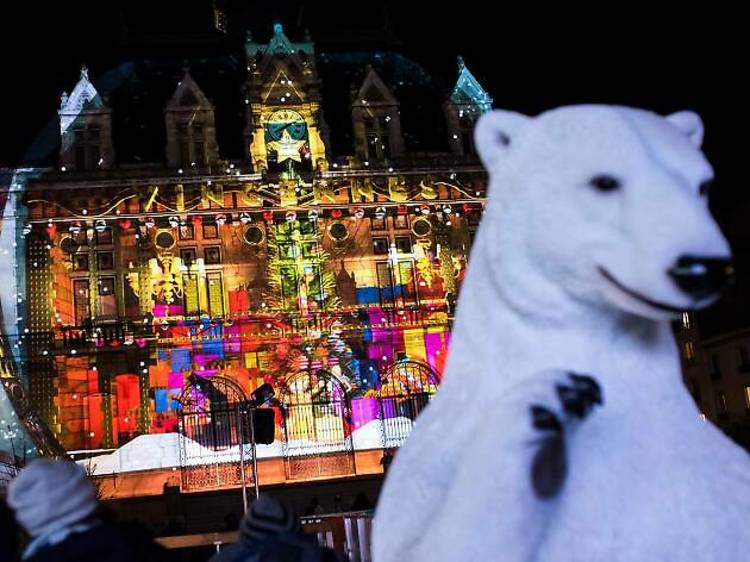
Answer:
[(92, 336), (121, 332)]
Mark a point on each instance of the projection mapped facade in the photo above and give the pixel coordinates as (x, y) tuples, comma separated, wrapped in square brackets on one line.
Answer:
[(326, 262)]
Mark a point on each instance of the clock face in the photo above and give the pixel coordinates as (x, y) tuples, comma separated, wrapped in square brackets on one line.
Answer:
[(289, 121)]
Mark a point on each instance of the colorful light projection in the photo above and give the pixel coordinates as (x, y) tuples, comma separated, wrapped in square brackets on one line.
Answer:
[(301, 292)]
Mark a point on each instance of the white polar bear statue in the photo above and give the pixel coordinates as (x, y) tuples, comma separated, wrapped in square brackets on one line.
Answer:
[(562, 430)]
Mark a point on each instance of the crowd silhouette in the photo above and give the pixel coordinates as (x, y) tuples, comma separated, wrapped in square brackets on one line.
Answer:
[(51, 514)]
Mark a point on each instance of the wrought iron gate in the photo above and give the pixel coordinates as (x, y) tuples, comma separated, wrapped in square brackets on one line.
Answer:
[(406, 389), (317, 426), (214, 434)]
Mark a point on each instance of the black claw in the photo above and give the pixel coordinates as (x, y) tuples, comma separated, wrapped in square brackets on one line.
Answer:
[(544, 419), (571, 401), (588, 386), (581, 397)]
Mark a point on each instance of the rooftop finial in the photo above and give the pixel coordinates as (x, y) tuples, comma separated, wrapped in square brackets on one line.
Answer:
[(84, 72), (278, 29), (461, 64)]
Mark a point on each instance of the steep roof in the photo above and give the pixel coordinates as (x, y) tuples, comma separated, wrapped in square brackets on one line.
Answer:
[(468, 90), (188, 95), (138, 90), (138, 103), (420, 96), (373, 91), (83, 99)]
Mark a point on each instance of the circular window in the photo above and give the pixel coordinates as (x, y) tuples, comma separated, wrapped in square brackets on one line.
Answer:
[(68, 245), (338, 231), (254, 235), (164, 240), (421, 227)]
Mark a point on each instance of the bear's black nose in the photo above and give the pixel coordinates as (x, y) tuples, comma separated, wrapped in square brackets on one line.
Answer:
[(702, 276)]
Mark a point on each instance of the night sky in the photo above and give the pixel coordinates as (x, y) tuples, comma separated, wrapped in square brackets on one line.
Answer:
[(528, 59)]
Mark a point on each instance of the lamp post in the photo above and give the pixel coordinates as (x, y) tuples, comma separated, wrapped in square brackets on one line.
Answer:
[(254, 450), (260, 396), (241, 432)]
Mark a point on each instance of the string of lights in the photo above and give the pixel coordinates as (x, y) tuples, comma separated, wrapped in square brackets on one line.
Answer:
[(20, 183)]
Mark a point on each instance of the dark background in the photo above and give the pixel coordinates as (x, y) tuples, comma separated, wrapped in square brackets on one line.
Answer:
[(528, 59)]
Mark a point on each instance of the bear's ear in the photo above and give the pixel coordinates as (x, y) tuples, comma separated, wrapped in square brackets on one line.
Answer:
[(496, 132), (690, 124)]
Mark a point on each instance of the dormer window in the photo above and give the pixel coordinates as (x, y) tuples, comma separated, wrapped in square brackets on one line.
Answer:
[(87, 147), (375, 116), (378, 138), (192, 142), (466, 125), (85, 128), (191, 135)]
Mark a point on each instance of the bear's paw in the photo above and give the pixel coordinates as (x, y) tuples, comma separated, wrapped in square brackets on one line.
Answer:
[(578, 396)]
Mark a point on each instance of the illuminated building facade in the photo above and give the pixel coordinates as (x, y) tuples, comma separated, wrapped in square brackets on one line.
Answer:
[(325, 262), (716, 369)]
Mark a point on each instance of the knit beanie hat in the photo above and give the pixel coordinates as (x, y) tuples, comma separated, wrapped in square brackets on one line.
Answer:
[(49, 495), (266, 518)]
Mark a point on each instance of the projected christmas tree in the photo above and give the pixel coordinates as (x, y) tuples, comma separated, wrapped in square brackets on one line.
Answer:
[(301, 284), (298, 276)]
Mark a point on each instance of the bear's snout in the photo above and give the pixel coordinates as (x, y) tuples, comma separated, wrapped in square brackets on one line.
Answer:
[(701, 277)]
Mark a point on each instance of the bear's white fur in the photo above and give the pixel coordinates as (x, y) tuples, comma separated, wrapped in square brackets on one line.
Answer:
[(647, 479)]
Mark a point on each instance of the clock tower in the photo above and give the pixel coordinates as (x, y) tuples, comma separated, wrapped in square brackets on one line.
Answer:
[(283, 99)]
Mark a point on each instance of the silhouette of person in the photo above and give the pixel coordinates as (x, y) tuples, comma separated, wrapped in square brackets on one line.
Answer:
[(361, 503), (270, 532)]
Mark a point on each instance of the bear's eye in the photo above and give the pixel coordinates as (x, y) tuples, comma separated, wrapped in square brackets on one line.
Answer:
[(605, 182), (705, 187), (503, 139)]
